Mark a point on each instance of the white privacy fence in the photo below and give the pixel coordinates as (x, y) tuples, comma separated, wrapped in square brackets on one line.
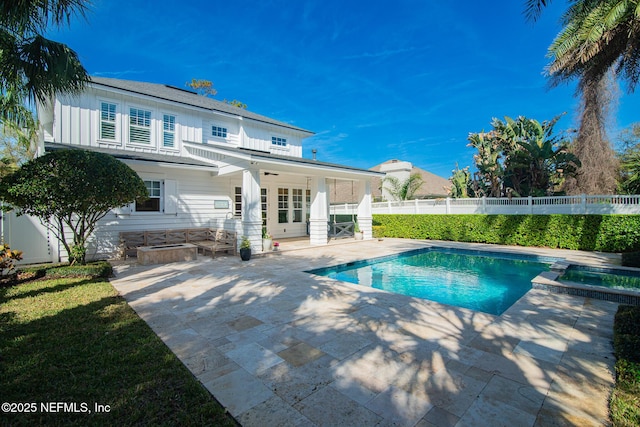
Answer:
[(624, 204)]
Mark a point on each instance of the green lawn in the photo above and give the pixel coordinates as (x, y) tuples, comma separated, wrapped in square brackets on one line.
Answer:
[(74, 340)]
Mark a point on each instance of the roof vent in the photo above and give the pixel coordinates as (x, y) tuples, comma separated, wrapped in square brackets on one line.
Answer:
[(314, 152)]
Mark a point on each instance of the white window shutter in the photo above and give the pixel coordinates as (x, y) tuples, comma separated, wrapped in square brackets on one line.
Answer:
[(170, 197)]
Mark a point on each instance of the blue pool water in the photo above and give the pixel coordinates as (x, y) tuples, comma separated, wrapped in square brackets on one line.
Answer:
[(483, 281), (609, 278)]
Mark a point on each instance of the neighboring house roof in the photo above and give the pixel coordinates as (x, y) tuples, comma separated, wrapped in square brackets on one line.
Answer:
[(187, 97), (134, 155), (433, 186)]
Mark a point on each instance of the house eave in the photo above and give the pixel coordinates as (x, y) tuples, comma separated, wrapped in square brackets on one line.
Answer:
[(294, 165), (132, 157)]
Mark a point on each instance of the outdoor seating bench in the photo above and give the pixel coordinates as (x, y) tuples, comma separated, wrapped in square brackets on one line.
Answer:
[(205, 239)]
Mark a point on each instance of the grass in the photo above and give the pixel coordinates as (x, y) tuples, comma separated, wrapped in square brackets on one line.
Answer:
[(75, 340), (625, 400)]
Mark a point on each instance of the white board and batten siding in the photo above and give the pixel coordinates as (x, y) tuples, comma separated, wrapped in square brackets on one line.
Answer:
[(77, 122), (259, 137)]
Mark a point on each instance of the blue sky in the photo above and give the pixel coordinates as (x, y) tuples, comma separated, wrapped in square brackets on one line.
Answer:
[(375, 80)]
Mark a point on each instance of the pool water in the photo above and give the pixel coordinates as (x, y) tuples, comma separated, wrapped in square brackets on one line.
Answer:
[(614, 279), (483, 281)]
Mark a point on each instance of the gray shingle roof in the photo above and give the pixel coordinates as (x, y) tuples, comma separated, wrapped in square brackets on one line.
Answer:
[(183, 96)]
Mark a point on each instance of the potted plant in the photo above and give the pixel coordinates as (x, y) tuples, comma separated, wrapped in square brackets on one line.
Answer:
[(267, 240), (359, 235), (245, 249)]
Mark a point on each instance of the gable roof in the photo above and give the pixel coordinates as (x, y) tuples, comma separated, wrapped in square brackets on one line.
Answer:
[(187, 97)]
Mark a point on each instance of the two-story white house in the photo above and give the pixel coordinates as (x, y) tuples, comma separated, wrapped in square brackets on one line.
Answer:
[(205, 163)]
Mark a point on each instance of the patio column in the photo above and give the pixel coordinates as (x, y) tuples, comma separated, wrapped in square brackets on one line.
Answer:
[(251, 209), (365, 217), (318, 219)]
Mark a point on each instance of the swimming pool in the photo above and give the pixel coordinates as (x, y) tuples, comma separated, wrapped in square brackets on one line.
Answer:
[(479, 280)]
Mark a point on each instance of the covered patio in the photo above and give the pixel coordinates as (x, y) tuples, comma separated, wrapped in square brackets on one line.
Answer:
[(287, 196)]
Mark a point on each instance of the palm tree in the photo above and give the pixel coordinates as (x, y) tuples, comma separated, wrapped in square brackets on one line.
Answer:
[(460, 180), (598, 36), (32, 67), (489, 161), (403, 190), (539, 161)]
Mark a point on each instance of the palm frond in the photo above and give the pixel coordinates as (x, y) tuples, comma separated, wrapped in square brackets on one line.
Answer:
[(533, 9)]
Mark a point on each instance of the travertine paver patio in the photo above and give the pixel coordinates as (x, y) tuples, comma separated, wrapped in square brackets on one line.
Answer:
[(277, 346)]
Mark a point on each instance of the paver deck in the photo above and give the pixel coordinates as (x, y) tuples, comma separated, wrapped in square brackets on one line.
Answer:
[(278, 346)]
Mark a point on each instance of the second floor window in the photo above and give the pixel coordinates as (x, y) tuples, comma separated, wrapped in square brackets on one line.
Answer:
[(218, 131), (107, 121), (276, 140), (168, 130), (139, 126)]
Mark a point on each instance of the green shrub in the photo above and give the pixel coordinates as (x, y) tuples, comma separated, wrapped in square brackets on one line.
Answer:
[(606, 233), (8, 259), (631, 259), (94, 269), (626, 337), (625, 400)]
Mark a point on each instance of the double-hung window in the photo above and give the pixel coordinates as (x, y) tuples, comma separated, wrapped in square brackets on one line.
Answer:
[(108, 121), (139, 126), (153, 203), (276, 140), (168, 131)]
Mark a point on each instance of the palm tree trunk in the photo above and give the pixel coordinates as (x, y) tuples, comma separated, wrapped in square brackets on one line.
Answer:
[(598, 173)]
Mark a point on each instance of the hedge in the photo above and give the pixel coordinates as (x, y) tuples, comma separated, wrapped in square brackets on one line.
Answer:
[(92, 269), (606, 233)]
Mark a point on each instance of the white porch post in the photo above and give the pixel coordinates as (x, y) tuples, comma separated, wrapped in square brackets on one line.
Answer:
[(251, 209), (318, 216), (365, 218)]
